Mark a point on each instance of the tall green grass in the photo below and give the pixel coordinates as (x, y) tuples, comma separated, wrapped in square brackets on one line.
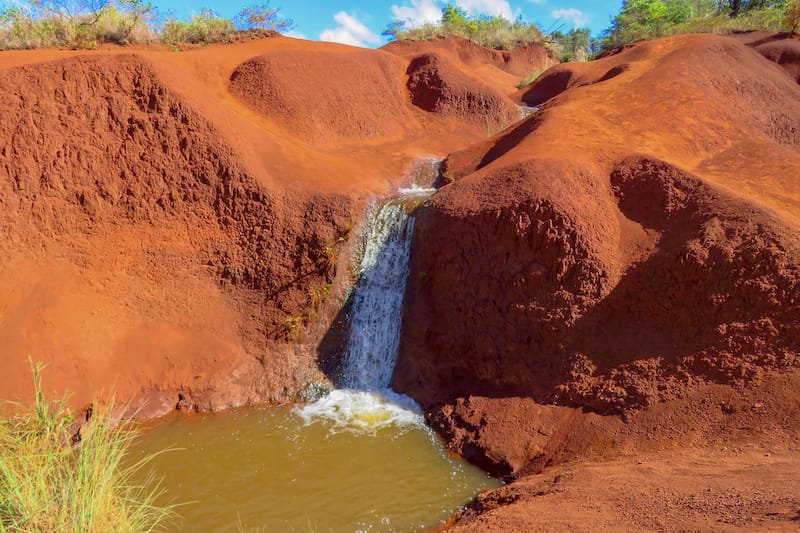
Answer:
[(47, 484), (85, 24), (26, 27)]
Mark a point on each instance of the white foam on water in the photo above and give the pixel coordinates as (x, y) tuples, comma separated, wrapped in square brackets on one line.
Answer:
[(416, 191), (364, 411), (526, 111)]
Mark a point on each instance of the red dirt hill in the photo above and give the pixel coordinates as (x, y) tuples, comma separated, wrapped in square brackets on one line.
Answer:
[(328, 97), (502, 69), (138, 253), (628, 247), (169, 218)]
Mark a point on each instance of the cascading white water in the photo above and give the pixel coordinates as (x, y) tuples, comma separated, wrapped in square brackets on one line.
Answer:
[(378, 298), (366, 403)]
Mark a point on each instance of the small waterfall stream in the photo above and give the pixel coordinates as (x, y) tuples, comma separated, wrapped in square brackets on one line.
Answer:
[(375, 323), (364, 400)]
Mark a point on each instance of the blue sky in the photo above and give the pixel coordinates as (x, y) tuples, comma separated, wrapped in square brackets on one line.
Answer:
[(361, 22)]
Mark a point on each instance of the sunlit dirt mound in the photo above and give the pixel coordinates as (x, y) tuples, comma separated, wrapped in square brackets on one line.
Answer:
[(137, 255), (633, 242), (781, 48), (355, 96), (439, 87), (518, 63)]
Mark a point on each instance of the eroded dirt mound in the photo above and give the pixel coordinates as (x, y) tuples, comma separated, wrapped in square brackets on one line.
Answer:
[(170, 220), (137, 253), (438, 86), (783, 49), (520, 62), (327, 96), (629, 244)]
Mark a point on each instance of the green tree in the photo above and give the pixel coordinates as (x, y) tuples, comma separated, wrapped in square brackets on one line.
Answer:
[(575, 45), (262, 16), (643, 19), (394, 29), (736, 8)]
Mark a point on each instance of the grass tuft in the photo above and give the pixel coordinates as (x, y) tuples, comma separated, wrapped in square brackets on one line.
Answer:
[(47, 484), (527, 82)]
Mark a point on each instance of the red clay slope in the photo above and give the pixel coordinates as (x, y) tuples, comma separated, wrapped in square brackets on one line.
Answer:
[(137, 253), (635, 241), (168, 217)]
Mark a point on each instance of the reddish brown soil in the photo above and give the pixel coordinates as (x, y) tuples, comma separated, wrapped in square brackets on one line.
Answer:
[(735, 490), (437, 86), (134, 255), (612, 279), (501, 69), (781, 48), (169, 217), (619, 272)]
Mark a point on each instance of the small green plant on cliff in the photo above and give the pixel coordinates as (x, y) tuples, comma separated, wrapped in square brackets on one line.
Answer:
[(48, 484), (527, 82), (291, 328), (492, 32)]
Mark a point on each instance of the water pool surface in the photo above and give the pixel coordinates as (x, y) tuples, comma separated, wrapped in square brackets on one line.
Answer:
[(348, 463)]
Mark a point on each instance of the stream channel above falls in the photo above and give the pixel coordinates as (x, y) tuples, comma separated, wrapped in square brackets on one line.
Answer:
[(358, 459)]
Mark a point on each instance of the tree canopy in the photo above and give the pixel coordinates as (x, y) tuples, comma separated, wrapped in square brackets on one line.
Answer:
[(646, 19)]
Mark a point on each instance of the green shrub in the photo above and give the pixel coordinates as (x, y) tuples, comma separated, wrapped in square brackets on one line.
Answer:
[(526, 82), (492, 32), (791, 19), (262, 17), (48, 485), (204, 28), (89, 23), (48, 23), (575, 45), (649, 19)]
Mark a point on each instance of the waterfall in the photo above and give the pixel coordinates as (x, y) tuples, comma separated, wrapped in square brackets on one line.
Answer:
[(375, 323), (365, 402)]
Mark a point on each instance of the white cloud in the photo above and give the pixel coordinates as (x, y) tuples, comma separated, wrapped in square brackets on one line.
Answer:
[(577, 17), (488, 7), (296, 34), (420, 12), (350, 31)]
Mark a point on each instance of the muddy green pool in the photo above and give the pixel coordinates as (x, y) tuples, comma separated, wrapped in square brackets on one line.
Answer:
[(343, 465)]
